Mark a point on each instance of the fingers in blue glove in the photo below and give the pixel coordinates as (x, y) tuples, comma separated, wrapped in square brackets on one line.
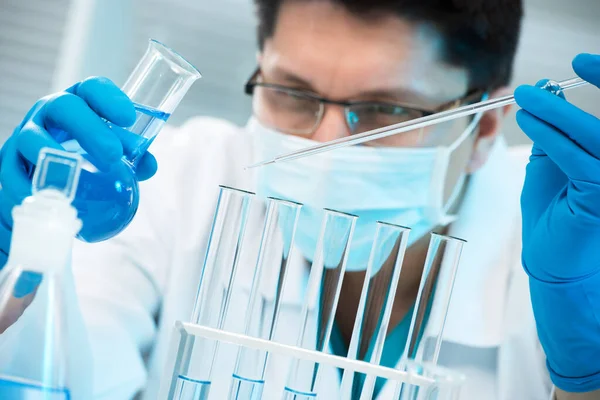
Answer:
[(587, 66), (120, 111), (580, 126), (5, 237), (6, 206), (71, 114), (32, 139), (80, 111), (106, 99), (3, 259), (574, 161), (146, 168), (15, 181), (132, 145)]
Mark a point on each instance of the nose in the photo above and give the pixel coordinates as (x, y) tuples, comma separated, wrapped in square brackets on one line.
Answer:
[(332, 126)]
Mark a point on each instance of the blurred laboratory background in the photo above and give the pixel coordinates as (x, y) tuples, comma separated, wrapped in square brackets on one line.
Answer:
[(45, 45)]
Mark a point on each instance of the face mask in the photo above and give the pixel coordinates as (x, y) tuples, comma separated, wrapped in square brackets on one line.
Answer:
[(403, 186)]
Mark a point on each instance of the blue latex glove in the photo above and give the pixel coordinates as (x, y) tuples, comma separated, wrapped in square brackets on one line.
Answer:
[(561, 229), (78, 111)]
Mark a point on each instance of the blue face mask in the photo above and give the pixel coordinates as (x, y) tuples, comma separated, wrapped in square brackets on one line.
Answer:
[(402, 186), (309, 229)]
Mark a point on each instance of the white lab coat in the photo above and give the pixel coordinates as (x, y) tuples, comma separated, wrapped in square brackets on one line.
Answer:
[(134, 287)]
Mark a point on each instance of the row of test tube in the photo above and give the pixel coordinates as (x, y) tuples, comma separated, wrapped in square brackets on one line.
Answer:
[(194, 359)]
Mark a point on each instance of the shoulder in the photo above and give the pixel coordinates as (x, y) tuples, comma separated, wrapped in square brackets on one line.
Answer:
[(198, 156), (196, 135), (194, 159), (202, 143)]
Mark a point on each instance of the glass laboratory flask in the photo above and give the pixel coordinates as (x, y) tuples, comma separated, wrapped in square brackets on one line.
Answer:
[(44, 349), (107, 201)]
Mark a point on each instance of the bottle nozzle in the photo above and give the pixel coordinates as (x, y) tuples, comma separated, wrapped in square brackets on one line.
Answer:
[(58, 170)]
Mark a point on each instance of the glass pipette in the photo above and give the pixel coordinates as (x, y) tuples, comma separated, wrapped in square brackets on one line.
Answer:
[(444, 116)]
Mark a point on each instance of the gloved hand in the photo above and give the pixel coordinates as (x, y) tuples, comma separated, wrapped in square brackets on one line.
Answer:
[(78, 111), (561, 229)]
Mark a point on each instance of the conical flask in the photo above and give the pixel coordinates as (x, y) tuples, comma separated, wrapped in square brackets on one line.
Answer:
[(44, 350), (108, 199)]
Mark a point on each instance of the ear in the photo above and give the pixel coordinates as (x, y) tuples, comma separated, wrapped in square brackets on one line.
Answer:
[(489, 129), (259, 56)]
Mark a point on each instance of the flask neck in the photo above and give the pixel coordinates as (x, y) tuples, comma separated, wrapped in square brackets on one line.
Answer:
[(138, 137)]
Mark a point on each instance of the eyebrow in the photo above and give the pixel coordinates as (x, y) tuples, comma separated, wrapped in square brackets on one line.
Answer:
[(397, 95), (291, 78)]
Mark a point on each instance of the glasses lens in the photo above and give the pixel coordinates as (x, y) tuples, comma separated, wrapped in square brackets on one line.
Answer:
[(373, 116), (286, 110)]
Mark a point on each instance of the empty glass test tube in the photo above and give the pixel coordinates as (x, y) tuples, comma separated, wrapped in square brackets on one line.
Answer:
[(268, 283), (375, 305), (431, 308), (320, 302), (445, 384), (192, 375)]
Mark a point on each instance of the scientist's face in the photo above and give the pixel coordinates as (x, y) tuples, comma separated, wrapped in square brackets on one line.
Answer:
[(321, 48)]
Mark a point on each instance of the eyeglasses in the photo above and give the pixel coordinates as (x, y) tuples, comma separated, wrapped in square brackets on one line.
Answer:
[(300, 112)]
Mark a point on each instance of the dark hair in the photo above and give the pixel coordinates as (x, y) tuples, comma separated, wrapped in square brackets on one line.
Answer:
[(480, 35)]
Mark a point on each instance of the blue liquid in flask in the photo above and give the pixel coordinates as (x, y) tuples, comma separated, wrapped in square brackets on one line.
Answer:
[(107, 201), (20, 389)]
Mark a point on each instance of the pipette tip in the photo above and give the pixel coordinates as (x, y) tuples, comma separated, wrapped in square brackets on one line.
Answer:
[(260, 164)]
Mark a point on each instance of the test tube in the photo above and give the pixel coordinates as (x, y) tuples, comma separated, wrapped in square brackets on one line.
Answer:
[(193, 370), (320, 302), (375, 305), (444, 384), (268, 283), (431, 308)]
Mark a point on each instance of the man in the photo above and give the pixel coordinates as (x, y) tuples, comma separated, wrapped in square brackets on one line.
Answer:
[(328, 69)]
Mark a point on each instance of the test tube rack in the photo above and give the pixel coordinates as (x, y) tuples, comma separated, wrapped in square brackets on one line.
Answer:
[(430, 379)]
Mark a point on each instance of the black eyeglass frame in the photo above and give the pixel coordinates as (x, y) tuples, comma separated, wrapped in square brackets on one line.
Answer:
[(470, 97)]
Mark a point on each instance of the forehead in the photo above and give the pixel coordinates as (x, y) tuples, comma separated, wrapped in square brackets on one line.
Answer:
[(341, 55)]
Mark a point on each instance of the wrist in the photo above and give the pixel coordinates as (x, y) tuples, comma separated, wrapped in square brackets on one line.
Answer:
[(575, 385), (567, 317)]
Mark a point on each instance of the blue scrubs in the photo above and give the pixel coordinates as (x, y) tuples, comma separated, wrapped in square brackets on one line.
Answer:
[(392, 351)]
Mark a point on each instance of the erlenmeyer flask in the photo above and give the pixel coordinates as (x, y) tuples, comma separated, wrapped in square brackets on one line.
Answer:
[(44, 349), (107, 201)]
